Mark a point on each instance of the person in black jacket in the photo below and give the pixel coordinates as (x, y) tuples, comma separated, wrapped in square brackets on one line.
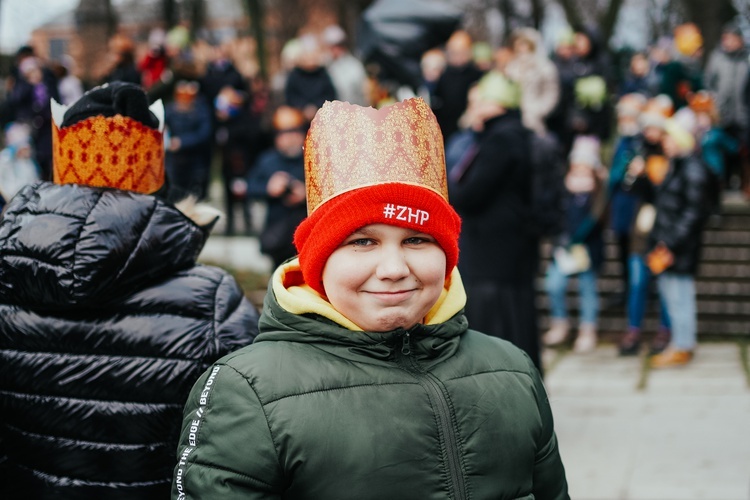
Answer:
[(106, 321), (675, 241), (278, 179), (188, 159), (450, 97), (239, 139), (309, 84), (493, 197)]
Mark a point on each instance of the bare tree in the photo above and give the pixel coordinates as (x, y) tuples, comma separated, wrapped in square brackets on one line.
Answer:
[(95, 22), (582, 14), (256, 13), (169, 13), (710, 18)]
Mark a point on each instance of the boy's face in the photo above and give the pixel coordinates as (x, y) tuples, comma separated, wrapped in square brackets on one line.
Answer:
[(383, 277)]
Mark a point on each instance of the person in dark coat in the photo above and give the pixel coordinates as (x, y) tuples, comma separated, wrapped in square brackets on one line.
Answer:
[(106, 320), (590, 112), (309, 84), (278, 179), (220, 73), (188, 161), (681, 204), (449, 98), (366, 381), (579, 249), (493, 196), (122, 66), (239, 139), (29, 104)]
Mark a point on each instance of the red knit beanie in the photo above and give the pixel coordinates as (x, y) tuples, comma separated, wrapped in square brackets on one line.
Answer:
[(366, 166)]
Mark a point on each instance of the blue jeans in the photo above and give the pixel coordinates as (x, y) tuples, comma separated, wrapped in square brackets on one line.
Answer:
[(556, 283), (678, 292), (640, 277)]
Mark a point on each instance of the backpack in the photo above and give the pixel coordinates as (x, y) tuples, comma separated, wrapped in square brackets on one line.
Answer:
[(548, 170)]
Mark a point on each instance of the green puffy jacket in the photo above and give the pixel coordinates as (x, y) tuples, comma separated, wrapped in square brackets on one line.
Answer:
[(313, 410)]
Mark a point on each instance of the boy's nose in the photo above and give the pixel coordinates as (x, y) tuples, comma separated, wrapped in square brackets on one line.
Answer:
[(392, 264)]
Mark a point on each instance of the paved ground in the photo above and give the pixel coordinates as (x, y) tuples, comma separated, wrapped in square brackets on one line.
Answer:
[(633, 434), (627, 433)]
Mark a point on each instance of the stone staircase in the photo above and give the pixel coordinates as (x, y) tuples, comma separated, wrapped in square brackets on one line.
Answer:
[(722, 283)]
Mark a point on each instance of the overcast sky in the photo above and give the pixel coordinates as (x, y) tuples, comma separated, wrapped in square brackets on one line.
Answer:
[(18, 18)]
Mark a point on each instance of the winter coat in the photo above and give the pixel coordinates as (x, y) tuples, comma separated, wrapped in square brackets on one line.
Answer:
[(681, 209), (726, 75), (105, 324), (315, 409), (540, 82), (270, 162), (220, 74), (309, 88), (493, 199), (450, 98), (192, 126)]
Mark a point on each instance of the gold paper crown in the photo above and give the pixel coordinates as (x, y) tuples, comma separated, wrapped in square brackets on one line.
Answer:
[(349, 147), (116, 152)]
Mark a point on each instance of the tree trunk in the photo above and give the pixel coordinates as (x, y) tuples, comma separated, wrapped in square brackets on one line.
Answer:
[(95, 23), (710, 18), (571, 12), (256, 12), (169, 11), (537, 13), (609, 20), (197, 18)]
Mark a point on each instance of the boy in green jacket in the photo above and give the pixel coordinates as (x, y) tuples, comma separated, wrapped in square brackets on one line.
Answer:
[(365, 381)]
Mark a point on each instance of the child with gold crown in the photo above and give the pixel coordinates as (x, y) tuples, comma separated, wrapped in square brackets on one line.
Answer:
[(365, 381)]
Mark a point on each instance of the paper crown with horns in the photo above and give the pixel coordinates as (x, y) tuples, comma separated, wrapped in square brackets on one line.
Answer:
[(110, 137), (366, 166)]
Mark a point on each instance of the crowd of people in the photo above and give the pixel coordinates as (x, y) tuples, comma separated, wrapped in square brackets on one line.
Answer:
[(365, 212), (570, 107)]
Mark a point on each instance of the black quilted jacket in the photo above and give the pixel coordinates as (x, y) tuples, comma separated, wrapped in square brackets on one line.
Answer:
[(105, 324)]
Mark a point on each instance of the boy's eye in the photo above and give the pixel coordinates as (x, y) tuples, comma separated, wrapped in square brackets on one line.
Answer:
[(361, 242), (417, 240)]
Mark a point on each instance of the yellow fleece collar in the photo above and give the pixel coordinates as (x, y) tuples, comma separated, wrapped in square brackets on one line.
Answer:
[(296, 297)]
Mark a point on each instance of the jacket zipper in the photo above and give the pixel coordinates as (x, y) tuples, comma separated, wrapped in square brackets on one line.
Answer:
[(435, 391)]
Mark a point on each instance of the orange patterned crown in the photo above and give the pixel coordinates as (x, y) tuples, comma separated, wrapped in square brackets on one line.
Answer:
[(350, 147), (117, 152)]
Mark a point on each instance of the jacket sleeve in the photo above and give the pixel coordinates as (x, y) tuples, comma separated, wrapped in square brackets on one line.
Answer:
[(549, 473), (202, 134), (236, 317), (226, 449), (491, 168), (691, 213)]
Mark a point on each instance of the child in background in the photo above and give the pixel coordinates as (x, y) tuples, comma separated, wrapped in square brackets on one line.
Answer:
[(622, 202), (17, 165), (238, 134), (646, 156), (580, 249)]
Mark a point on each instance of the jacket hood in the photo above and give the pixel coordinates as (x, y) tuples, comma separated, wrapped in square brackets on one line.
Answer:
[(292, 311), (64, 246)]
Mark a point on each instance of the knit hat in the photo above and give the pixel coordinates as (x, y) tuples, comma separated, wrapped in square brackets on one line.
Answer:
[(631, 105), (683, 138), (497, 88), (656, 112), (586, 150), (110, 137), (687, 39), (366, 166)]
